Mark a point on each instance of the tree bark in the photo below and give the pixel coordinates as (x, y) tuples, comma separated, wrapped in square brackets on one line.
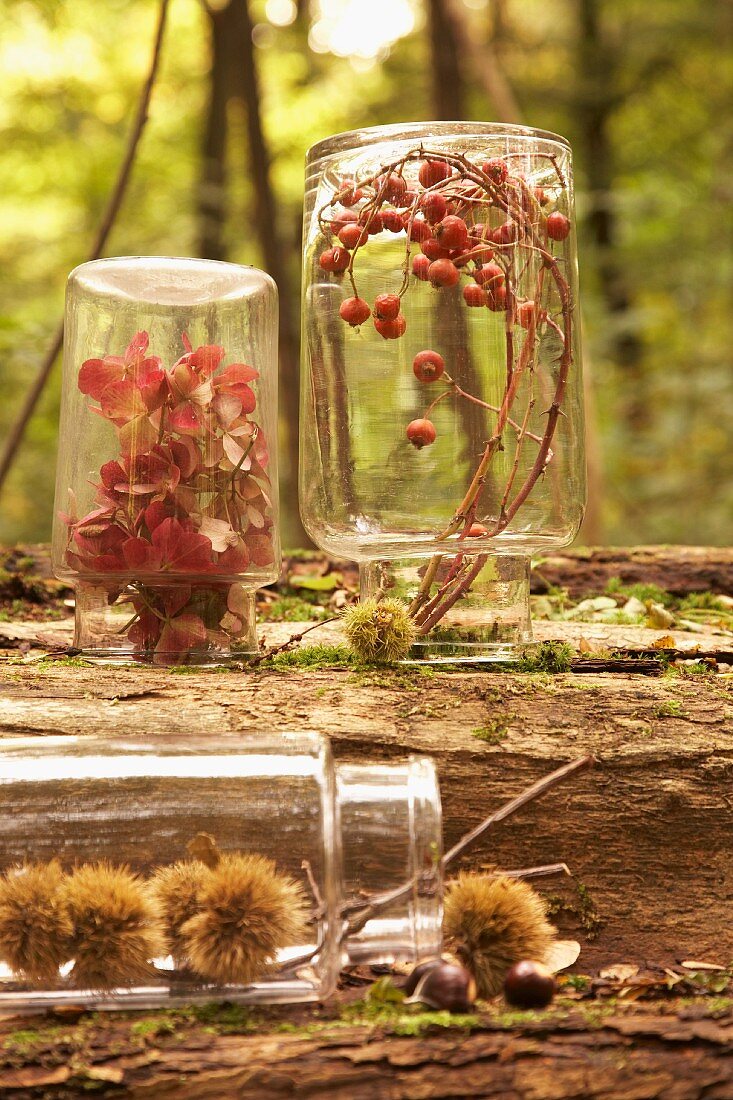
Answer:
[(212, 197)]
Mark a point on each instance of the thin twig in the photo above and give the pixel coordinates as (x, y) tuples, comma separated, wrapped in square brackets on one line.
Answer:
[(17, 431), (292, 640)]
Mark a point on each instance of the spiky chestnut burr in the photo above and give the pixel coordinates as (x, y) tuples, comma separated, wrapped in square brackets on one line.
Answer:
[(116, 927), (492, 922), (175, 890), (248, 911), (34, 920), (379, 632)]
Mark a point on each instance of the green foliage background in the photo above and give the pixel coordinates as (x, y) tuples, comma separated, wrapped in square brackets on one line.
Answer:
[(660, 434)]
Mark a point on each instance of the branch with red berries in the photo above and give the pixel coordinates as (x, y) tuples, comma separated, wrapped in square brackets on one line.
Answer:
[(485, 225)]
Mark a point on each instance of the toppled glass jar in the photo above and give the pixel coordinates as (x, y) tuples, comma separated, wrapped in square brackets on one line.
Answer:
[(140, 874)]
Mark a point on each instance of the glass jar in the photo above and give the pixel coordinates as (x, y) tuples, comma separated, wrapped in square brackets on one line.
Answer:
[(442, 417), (166, 493), (112, 820)]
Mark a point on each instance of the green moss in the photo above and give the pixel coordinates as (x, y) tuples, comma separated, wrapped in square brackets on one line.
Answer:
[(670, 708), (314, 656), (643, 592), (155, 1025), (495, 730), (552, 657), (293, 609), (47, 663), (583, 909), (224, 1018)]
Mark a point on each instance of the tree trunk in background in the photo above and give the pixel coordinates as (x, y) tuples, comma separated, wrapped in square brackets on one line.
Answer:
[(597, 63), (212, 197), (267, 226), (447, 81), (234, 76)]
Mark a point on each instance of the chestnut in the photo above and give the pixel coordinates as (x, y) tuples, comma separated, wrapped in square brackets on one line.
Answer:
[(529, 984), (446, 987), (417, 973)]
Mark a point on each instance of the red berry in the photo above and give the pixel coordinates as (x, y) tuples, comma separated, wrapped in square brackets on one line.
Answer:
[(452, 232), (433, 250), (419, 230), (342, 219), (474, 295), (372, 220), (541, 196), (428, 366), (505, 234), (386, 306), (476, 530), (443, 273), (355, 311), (525, 314), (421, 433), (479, 250), (392, 220), (529, 985), (391, 330), (392, 188), (434, 207), (497, 299), (349, 193), (352, 235), (335, 260), (490, 276), (558, 226), (409, 199), (495, 169), (420, 268), (433, 171)]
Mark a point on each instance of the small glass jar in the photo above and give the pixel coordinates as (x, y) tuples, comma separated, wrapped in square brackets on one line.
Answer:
[(166, 493), (442, 435), (336, 833)]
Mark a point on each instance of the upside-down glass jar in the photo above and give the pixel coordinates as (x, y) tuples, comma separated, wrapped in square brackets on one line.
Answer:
[(442, 435), (166, 493), (136, 874)]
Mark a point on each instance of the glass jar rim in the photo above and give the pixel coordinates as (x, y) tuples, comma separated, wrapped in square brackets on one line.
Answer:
[(349, 139)]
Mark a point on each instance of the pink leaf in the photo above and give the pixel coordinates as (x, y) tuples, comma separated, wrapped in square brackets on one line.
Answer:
[(260, 548), (185, 419)]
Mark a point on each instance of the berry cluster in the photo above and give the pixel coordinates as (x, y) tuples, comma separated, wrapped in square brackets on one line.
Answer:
[(185, 500)]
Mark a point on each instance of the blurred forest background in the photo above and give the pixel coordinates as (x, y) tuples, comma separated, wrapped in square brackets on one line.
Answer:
[(642, 89)]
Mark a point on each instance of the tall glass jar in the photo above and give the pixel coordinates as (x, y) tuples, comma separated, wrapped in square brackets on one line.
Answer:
[(442, 422), (166, 492), (177, 849)]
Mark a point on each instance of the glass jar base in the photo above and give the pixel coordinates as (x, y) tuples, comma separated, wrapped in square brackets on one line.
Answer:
[(487, 621), (176, 624)]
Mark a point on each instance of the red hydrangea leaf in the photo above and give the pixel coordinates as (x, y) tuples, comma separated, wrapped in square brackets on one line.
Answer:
[(111, 473), (235, 374), (174, 598), (186, 456), (146, 631), (139, 554), (96, 374), (185, 419), (245, 395), (206, 358), (260, 548), (137, 435), (227, 408), (181, 549), (180, 636), (234, 560), (122, 401), (137, 346)]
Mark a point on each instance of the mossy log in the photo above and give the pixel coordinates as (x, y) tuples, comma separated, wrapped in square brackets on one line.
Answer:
[(647, 834)]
